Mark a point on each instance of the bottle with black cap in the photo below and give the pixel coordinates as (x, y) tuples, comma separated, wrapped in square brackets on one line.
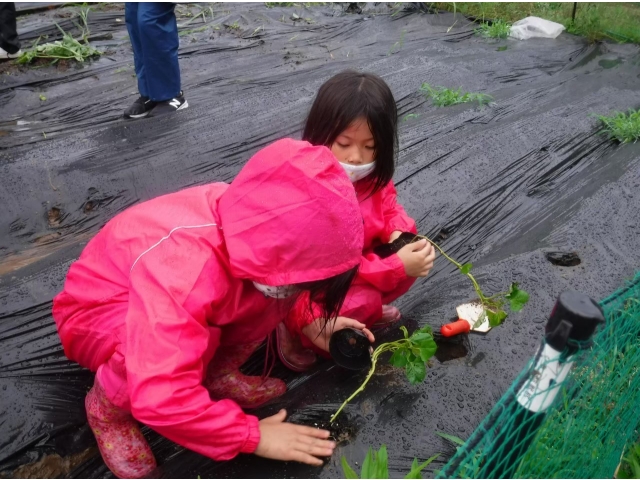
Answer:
[(571, 325)]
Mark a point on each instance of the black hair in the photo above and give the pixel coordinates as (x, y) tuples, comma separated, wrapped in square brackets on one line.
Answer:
[(343, 99), (329, 293)]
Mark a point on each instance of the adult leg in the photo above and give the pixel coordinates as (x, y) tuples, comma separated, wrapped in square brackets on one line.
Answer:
[(159, 41), (9, 43), (131, 19)]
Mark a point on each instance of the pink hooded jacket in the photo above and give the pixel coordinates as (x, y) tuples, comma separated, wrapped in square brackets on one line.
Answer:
[(379, 280), (167, 281)]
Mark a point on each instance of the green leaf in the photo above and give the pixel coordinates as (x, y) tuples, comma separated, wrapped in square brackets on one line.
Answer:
[(42, 98), (496, 318), (416, 468), (404, 330), (382, 463), (451, 438), (347, 470), (421, 337), (368, 466), (416, 372), (398, 359), (466, 268), (517, 298), (427, 352)]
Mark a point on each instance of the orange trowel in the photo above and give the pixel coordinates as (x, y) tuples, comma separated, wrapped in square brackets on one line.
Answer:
[(471, 317)]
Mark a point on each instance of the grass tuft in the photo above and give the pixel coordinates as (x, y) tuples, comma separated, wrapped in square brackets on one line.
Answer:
[(623, 127), (444, 97), (616, 21), (497, 29)]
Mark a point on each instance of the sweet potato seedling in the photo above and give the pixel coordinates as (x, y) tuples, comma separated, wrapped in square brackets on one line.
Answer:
[(376, 465), (413, 352)]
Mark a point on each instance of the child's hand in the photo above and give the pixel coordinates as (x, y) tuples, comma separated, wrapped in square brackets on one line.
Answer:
[(320, 337), (417, 258), (280, 440)]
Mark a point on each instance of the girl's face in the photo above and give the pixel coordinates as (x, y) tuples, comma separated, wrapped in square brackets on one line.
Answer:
[(355, 144)]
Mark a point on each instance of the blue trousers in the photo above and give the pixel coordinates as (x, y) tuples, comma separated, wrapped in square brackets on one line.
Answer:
[(153, 31)]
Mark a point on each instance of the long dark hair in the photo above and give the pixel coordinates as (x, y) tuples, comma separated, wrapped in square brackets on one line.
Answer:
[(343, 99), (329, 294)]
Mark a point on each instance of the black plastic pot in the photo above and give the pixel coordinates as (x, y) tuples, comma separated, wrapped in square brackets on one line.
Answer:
[(350, 349), (387, 249)]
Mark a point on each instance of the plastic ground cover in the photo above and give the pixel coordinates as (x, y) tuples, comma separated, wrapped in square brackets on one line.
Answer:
[(499, 186)]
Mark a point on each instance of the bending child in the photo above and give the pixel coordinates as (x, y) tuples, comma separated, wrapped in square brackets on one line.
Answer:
[(355, 115), (171, 297)]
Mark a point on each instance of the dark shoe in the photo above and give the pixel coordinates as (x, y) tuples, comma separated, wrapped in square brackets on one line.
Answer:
[(291, 352), (170, 106), (140, 108)]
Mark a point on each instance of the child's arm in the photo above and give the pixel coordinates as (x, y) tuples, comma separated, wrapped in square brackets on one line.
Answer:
[(166, 349), (166, 345), (395, 218), (386, 273)]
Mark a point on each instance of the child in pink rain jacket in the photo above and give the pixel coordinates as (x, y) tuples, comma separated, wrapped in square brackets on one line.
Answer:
[(355, 115), (170, 298)]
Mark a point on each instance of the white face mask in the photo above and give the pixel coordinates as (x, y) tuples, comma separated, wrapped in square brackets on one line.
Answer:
[(283, 291), (358, 172)]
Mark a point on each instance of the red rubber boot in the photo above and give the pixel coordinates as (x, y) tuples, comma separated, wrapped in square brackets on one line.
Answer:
[(122, 445), (224, 379), (291, 351), (390, 315)]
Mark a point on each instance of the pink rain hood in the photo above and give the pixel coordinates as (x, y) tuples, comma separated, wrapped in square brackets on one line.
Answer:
[(166, 282)]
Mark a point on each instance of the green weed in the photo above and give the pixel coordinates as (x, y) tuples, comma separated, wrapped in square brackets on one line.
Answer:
[(623, 127), (497, 29), (630, 465), (193, 30), (376, 465), (43, 98), (445, 97), (66, 49), (595, 21), (234, 26)]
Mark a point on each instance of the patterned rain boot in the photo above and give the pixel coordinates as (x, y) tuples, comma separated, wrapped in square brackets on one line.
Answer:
[(224, 379), (291, 351), (390, 315), (122, 445)]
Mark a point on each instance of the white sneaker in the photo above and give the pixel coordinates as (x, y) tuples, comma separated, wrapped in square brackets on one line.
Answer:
[(4, 55)]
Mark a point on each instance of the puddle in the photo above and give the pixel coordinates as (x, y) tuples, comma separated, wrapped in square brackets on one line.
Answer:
[(606, 64)]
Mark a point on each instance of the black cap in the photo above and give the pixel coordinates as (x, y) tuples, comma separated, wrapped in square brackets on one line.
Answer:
[(573, 320)]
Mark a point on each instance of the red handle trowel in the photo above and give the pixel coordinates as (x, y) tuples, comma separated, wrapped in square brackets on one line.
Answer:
[(469, 319)]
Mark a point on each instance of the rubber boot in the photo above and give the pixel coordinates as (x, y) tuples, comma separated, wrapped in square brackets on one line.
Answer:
[(390, 315), (224, 379), (122, 445), (291, 351)]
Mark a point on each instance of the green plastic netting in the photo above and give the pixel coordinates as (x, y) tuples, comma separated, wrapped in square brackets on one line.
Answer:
[(592, 418)]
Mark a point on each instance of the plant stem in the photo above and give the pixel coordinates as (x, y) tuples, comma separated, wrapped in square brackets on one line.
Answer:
[(459, 265), (385, 347)]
